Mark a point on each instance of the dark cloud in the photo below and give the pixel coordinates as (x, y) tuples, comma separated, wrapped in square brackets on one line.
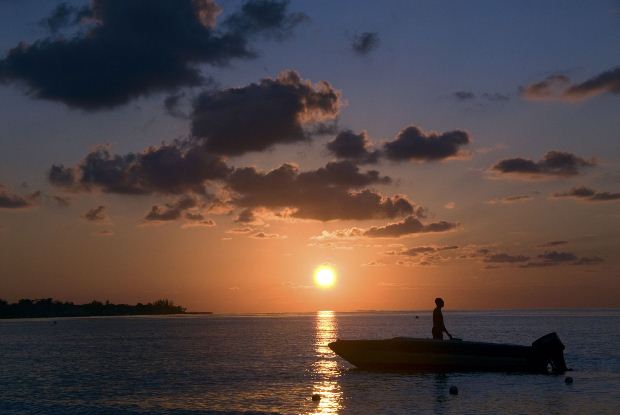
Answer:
[(365, 42), (173, 211), (257, 116), (561, 88), (62, 16), (510, 200), (553, 258), (97, 214), (552, 243), (132, 48), (591, 260), (553, 164), (505, 258), (414, 144), (61, 200), (246, 216), (177, 168), (356, 147), (608, 81), (330, 192), (9, 200), (421, 250), (464, 95), (269, 18), (409, 226), (172, 106), (588, 195), (548, 88), (495, 97), (467, 96), (264, 235)]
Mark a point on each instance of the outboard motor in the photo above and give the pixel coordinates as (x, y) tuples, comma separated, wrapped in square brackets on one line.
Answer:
[(551, 349)]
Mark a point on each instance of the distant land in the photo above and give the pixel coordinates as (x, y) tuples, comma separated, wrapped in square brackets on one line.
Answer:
[(47, 307)]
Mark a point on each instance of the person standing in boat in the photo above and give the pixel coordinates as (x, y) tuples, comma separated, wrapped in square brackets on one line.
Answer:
[(438, 326)]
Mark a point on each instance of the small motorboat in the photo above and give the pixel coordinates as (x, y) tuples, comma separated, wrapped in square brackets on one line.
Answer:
[(545, 355)]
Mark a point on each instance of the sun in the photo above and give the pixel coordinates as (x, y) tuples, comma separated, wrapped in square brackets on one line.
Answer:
[(325, 276)]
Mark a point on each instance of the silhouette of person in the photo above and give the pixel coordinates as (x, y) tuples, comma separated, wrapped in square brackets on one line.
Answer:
[(438, 326)]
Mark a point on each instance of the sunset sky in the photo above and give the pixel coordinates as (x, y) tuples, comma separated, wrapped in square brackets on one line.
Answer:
[(218, 153)]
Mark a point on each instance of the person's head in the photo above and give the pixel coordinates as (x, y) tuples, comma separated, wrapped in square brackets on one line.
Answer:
[(439, 302)]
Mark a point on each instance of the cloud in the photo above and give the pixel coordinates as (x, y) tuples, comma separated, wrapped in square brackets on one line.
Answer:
[(365, 42), (408, 226), (422, 250), (510, 200), (264, 235), (62, 16), (412, 143), (126, 49), (9, 200), (177, 168), (242, 230), (587, 194), (173, 211), (554, 258), (197, 220), (547, 89), (257, 116), (561, 88), (104, 232), (505, 258), (552, 243), (553, 164), (331, 192), (61, 200), (468, 96), (355, 147), (97, 214), (464, 95)]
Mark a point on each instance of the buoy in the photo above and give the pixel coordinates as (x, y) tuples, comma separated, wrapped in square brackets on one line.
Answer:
[(454, 390), (568, 380), (417, 316), (316, 397)]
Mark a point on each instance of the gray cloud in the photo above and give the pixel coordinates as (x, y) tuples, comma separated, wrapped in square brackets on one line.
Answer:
[(256, 117), (328, 193), (510, 200), (554, 258), (505, 258), (9, 200), (552, 244), (587, 194), (365, 42), (97, 214), (173, 211), (177, 168), (546, 89), (422, 250), (126, 49), (408, 226), (561, 88), (413, 144), (464, 95), (356, 147), (553, 164)]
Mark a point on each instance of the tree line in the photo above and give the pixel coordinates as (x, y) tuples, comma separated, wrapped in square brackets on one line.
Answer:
[(47, 307)]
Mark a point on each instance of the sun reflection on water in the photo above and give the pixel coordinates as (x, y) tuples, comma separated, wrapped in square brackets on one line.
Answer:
[(325, 368)]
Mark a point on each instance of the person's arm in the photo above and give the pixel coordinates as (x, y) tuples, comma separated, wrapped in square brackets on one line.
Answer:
[(443, 326)]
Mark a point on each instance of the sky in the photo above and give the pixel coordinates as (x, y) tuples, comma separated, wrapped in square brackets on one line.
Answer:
[(218, 153)]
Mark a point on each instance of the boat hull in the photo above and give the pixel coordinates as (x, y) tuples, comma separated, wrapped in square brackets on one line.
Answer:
[(403, 353)]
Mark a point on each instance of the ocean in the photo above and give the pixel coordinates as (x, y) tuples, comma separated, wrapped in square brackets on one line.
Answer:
[(255, 364)]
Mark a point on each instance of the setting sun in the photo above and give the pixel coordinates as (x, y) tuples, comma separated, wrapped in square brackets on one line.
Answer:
[(324, 276)]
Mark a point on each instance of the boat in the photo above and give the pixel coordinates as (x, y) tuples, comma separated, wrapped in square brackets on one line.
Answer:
[(545, 355)]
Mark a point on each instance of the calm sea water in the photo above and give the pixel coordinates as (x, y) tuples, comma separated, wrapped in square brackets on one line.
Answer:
[(274, 364)]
